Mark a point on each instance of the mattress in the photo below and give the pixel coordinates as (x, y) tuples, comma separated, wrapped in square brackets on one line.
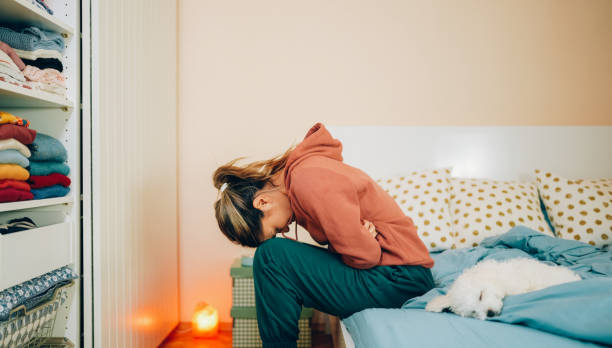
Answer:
[(416, 328)]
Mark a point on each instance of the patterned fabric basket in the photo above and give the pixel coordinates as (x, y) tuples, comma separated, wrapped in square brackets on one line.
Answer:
[(243, 292), (30, 328), (243, 289), (245, 332)]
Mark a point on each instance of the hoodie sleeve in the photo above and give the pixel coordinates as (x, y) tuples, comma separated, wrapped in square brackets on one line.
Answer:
[(331, 200)]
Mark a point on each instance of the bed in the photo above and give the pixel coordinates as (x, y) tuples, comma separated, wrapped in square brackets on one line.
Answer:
[(569, 315)]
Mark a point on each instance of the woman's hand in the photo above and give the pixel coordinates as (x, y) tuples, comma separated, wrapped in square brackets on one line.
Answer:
[(370, 227)]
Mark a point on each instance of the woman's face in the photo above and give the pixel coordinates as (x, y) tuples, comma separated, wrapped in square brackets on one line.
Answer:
[(277, 214)]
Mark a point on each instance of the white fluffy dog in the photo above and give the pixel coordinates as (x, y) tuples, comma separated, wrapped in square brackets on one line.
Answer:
[(478, 292)]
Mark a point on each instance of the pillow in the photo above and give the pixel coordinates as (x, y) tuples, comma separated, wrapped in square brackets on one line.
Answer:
[(579, 209), (482, 208), (423, 196)]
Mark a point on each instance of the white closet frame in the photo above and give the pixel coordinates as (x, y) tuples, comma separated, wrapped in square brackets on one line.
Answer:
[(64, 120)]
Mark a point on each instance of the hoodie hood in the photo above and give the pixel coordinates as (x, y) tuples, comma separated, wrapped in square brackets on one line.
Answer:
[(317, 142)]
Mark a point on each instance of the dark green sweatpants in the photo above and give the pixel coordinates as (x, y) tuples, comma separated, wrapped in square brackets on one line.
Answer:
[(289, 274)]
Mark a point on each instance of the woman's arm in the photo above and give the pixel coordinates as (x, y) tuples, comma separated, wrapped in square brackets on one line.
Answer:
[(331, 199)]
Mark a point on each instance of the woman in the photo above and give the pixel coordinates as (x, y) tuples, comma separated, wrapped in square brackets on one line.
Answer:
[(374, 257)]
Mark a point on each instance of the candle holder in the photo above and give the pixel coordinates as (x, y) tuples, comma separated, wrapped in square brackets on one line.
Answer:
[(205, 321)]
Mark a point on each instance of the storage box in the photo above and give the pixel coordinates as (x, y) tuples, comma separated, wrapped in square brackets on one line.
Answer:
[(31, 253), (245, 332), (31, 328)]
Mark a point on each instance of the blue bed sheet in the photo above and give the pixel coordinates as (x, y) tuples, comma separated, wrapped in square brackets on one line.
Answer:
[(570, 314), (398, 328)]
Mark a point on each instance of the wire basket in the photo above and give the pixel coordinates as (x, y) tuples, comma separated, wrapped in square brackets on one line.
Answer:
[(32, 328)]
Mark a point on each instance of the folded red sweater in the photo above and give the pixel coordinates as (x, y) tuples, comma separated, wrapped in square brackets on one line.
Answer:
[(22, 134), (13, 195), (15, 184), (40, 181)]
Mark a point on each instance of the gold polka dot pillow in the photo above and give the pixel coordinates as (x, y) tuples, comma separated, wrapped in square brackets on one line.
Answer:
[(423, 196), (578, 209), (482, 208)]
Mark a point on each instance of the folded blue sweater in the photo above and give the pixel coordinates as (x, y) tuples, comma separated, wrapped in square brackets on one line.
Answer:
[(32, 38), (13, 156), (50, 192), (48, 167), (47, 148)]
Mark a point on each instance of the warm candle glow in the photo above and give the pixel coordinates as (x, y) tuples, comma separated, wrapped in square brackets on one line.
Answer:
[(205, 321)]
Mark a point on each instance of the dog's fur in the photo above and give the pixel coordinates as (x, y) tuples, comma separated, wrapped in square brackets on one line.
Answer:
[(478, 292)]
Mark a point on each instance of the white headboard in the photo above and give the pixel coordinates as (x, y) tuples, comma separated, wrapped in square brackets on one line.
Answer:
[(500, 152)]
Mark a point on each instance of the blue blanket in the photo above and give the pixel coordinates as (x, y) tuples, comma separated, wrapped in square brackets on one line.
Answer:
[(579, 310)]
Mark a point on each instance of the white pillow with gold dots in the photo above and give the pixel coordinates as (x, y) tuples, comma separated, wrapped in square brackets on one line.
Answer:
[(578, 209), (482, 208), (423, 196)]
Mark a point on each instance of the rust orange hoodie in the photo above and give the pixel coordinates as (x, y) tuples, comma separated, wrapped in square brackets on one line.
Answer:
[(330, 199)]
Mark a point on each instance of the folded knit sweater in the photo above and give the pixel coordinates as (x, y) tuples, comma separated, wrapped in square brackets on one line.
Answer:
[(32, 38)]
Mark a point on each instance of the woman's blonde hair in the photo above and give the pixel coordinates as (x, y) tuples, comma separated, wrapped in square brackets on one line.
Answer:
[(236, 216)]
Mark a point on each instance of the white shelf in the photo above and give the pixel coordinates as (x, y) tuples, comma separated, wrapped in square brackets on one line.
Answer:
[(23, 12), (20, 97), (35, 203)]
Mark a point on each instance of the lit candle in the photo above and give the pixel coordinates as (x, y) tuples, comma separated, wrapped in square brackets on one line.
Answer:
[(205, 321)]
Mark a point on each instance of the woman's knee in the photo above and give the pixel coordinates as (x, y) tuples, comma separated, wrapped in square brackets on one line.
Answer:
[(273, 250)]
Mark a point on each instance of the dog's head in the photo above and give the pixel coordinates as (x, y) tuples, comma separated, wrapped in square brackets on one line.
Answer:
[(477, 300)]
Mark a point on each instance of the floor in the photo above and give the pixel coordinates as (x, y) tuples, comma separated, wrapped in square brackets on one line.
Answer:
[(181, 337)]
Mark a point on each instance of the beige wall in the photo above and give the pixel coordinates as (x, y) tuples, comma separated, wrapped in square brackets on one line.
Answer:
[(255, 75), (134, 135)]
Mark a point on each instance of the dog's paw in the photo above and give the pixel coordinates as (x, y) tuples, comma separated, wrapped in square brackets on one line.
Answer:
[(438, 304)]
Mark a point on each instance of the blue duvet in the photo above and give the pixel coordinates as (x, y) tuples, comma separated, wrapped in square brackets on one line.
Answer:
[(571, 314)]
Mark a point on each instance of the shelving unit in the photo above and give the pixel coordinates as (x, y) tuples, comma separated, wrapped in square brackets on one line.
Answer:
[(16, 96), (57, 242), (23, 11), (35, 203)]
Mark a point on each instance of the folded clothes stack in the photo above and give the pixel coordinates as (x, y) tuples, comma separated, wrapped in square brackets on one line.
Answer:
[(10, 72), (48, 172), (42, 5), (33, 56), (48, 80), (14, 154)]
